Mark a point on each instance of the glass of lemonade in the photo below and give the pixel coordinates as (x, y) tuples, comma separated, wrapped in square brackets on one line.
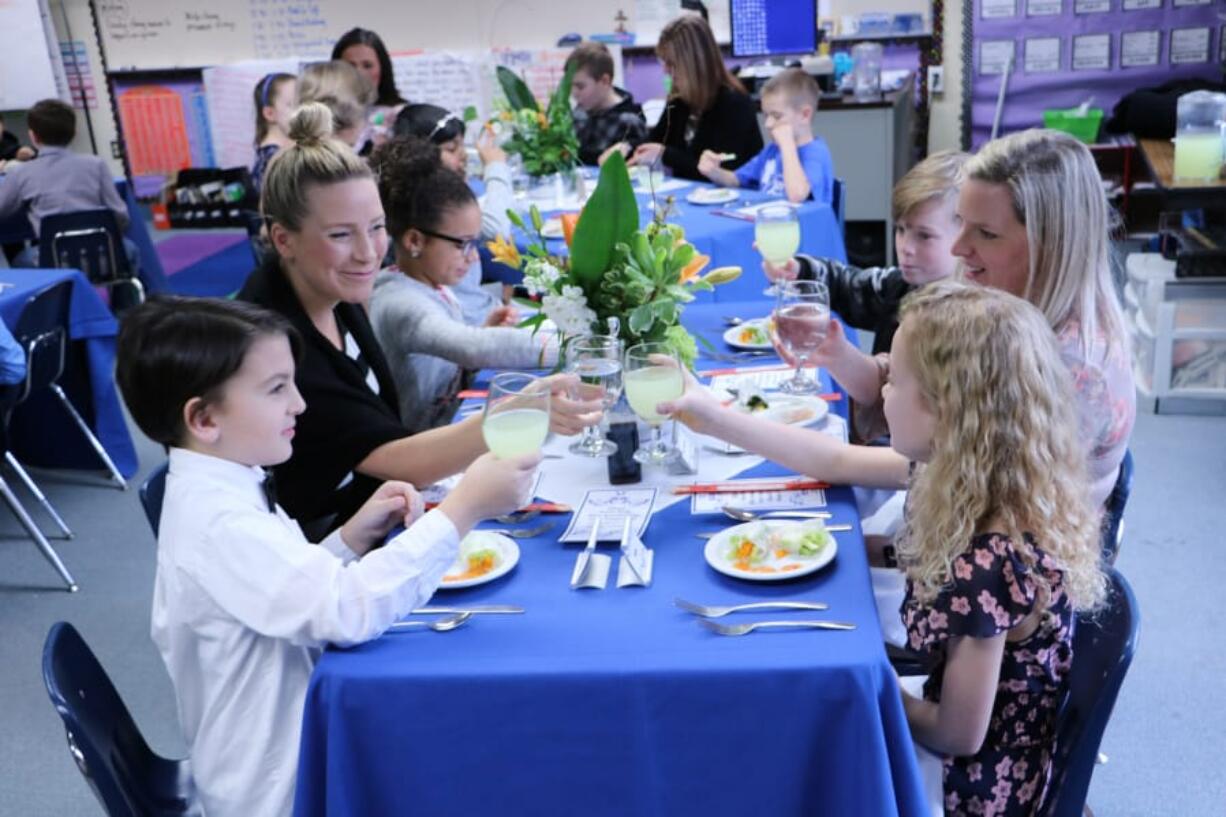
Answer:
[(777, 233), (651, 375), (802, 317), (597, 360), (516, 418)]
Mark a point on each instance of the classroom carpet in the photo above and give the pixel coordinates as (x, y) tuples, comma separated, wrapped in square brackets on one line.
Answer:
[(206, 265)]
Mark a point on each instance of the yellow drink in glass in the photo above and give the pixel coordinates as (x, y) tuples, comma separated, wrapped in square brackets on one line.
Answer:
[(515, 432), (1198, 157), (651, 385), (777, 240)]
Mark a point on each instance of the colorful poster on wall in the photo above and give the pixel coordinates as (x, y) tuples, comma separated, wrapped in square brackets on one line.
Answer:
[(154, 131)]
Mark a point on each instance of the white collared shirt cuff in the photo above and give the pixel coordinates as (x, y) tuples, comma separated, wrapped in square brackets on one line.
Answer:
[(422, 540), (334, 543)]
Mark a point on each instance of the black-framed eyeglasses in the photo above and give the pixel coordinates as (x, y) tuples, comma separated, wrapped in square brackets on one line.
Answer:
[(468, 246)]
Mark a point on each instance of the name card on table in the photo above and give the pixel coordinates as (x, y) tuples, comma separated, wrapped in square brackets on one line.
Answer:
[(759, 501), (634, 569), (605, 509)]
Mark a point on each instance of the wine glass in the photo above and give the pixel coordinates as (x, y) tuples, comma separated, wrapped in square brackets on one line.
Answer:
[(652, 374), (802, 316), (597, 360), (777, 233), (516, 416)]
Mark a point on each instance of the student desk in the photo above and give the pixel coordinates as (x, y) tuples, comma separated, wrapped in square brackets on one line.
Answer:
[(615, 702), (41, 432), (16, 228)]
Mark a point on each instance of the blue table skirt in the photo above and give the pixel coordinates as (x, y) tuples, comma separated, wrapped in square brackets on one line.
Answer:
[(615, 702), (16, 228), (42, 433), (729, 241)]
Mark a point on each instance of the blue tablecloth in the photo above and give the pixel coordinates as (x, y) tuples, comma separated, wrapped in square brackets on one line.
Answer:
[(729, 241), (16, 228), (615, 702), (42, 432)]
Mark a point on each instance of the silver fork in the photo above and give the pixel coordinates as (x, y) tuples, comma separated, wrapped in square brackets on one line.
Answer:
[(742, 629), (716, 610), (522, 533), (515, 517), (439, 625)]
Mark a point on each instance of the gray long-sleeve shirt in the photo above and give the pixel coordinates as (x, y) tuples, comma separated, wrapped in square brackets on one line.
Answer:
[(429, 347), (60, 181)]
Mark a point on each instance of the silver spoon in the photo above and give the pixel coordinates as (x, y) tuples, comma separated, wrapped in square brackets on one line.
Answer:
[(742, 515), (707, 534), (515, 517), (439, 625)]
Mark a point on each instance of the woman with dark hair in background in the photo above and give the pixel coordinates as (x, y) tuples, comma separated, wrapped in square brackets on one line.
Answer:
[(365, 51)]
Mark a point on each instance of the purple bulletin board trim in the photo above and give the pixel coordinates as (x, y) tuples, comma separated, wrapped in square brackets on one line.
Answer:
[(1028, 95)]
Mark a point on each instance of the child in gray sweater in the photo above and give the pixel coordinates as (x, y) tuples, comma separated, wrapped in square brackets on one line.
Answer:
[(434, 222)]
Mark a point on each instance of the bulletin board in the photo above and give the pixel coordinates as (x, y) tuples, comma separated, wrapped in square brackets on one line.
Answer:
[(1067, 51), (30, 67)]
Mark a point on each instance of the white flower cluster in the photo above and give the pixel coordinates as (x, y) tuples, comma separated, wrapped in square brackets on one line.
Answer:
[(540, 276), (569, 311)]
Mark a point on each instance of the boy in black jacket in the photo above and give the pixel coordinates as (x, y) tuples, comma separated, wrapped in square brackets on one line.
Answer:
[(604, 114)]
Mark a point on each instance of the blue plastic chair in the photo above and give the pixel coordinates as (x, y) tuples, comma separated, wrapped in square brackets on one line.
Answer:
[(127, 777), (1103, 647), (838, 202), (1113, 515), (151, 493)]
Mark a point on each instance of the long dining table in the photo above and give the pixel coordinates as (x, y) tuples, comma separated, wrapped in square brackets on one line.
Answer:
[(615, 701)]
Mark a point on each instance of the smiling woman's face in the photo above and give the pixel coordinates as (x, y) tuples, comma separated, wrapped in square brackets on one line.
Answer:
[(993, 245), (341, 243)]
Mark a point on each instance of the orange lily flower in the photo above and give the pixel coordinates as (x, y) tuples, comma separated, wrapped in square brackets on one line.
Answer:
[(694, 267), (504, 251), (569, 220)]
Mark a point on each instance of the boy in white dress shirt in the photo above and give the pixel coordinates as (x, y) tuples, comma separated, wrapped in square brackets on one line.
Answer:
[(242, 602)]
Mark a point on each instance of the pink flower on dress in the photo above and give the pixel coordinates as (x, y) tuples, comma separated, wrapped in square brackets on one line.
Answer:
[(987, 602), (952, 801), (1003, 767), (960, 605), (1026, 791), (963, 569), (974, 772), (938, 620), (1019, 769), (984, 558)]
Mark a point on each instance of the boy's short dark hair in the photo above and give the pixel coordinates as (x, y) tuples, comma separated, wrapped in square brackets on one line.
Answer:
[(53, 122), (593, 59), (799, 88), (172, 349)]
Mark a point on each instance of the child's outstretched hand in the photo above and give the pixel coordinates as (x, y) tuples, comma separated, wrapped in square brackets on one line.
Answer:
[(709, 162), (489, 487), (697, 407), (502, 316), (571, 409), (488, 149), (393, 504), (832, 348), (621, 147)]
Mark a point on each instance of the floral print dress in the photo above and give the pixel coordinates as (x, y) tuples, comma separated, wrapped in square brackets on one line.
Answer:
[(992, 591)]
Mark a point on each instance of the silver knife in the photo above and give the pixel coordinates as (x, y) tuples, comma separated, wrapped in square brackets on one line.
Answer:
[(473, 608), (707, 534)]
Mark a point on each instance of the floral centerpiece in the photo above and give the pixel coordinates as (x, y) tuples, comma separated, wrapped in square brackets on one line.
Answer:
[(545, 140), (614, 269)]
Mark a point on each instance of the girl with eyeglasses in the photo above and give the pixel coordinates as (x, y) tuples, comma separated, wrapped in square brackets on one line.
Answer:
[(274, 97), (445, 131), (434, 223)]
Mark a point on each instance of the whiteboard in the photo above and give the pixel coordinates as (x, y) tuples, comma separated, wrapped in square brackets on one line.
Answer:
[(27, 69), (152, 34)]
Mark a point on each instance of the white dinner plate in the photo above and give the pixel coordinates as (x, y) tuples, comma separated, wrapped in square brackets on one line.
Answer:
[(506, 557), (791, 409), (712, 195), (788, 567), (733, 335), (552, 228)]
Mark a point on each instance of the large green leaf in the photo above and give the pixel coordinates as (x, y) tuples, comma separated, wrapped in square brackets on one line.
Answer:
[(559, 103), (610, 216), (518, 95)]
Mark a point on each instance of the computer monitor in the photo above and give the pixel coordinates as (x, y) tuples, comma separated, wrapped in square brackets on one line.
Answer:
[(769, 27)]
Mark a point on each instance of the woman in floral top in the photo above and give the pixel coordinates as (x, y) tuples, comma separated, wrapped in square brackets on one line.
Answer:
[(1000, 543)]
